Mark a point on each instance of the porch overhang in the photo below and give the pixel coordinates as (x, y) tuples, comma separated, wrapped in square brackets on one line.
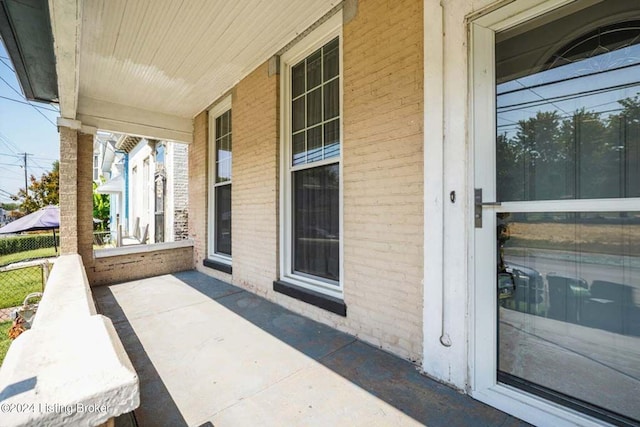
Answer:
[(147, 68), (26, 32)]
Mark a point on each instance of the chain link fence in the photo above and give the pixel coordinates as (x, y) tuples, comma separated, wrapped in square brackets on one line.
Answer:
[(19, 280), (16, 248)]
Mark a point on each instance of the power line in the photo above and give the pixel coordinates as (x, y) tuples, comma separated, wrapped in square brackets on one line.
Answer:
[(552, 82), (8, 66), (34, 107), (8, 146), (27, 103), (568, 97), (9, 143)]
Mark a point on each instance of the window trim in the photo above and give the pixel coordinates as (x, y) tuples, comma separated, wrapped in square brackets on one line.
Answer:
[(324, 33), (216, 111)]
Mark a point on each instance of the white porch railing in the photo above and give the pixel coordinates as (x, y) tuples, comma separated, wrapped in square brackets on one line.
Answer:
[(70, 368)]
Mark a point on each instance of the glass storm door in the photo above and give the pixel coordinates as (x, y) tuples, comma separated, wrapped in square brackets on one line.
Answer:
[(561, 211)]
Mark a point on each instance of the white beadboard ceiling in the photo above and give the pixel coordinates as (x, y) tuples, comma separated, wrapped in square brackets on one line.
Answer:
[(157, 63)]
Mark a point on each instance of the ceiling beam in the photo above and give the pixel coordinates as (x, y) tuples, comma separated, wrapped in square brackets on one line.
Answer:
[(134, 121), (66, 19)]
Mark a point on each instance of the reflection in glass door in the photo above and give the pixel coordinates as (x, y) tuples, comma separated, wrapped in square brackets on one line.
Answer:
[(568, 228)]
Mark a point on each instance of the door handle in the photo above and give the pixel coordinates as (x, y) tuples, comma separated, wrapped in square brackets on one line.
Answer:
[(478, 204)]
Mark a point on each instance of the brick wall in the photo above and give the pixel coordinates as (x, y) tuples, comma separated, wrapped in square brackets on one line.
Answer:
[(255, 181), (180, 178), (382, 180), (76, 194), (123, 268), (383, 173), (198, 187), (85, 199), (68, 191)]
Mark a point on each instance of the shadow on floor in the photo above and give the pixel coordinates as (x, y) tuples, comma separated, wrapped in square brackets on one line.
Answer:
[(154, 389), (381, 374)]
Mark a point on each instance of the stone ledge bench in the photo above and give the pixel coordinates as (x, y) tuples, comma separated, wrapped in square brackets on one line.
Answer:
[(70, 368)]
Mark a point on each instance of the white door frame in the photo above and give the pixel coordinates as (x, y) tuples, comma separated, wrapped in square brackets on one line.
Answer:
[(482, 262)]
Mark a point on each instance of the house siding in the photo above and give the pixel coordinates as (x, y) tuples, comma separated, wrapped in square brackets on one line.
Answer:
[(255, 181), (382, 180)]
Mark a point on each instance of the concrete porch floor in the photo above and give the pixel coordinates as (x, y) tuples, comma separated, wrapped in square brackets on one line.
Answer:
[(211, 354)]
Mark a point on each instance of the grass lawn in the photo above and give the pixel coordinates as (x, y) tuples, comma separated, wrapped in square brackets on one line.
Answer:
[(5, 341), (20, 256), (16, 284)]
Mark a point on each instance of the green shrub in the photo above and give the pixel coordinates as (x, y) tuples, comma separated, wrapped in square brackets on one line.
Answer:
[(12, 245)]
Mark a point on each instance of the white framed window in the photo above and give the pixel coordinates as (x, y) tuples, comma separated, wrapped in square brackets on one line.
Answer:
[(311, 156), (96, 168), (220, 173)]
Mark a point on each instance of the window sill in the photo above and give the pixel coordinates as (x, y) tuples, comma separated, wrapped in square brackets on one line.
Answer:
[(216, 265), (325, 302)]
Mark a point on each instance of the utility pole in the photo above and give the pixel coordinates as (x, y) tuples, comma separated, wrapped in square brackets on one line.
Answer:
[(26, 181), (26, 187)]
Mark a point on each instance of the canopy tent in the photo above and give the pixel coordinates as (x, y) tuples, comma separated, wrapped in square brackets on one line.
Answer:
[(47, 218)]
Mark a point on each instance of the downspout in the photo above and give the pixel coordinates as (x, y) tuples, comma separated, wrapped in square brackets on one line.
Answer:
[(445, 340), (126, 185)]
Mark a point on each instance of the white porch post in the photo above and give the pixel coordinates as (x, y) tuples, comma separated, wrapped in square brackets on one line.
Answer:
[(445, 162)]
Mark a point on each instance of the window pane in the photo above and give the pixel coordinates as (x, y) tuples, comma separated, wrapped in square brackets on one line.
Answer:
[(572, 322), (314, 144), (299, 149), (224, 124), (314, 69), (314, 107), (331, 64), (332, 99), (223, 219), (218, 126), (316, 228), (297, 80), (224, 170), (332, 139), (298, 113), (318, 104), (569, 129)]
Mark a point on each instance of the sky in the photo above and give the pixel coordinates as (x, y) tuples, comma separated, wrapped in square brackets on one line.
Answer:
[(24, 127)]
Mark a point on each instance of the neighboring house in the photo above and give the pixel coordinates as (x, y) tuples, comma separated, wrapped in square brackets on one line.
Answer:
[(454, 182), (147, 183)]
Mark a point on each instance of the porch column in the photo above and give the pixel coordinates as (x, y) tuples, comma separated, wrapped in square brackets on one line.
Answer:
[(76, 191), (85, 199), (68, 190)]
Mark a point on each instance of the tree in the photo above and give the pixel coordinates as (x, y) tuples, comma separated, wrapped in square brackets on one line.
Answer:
[(101, 207), (9, 206), (42, 192)]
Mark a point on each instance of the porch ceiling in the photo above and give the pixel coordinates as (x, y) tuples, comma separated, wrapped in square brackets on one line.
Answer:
[(151, 65)]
